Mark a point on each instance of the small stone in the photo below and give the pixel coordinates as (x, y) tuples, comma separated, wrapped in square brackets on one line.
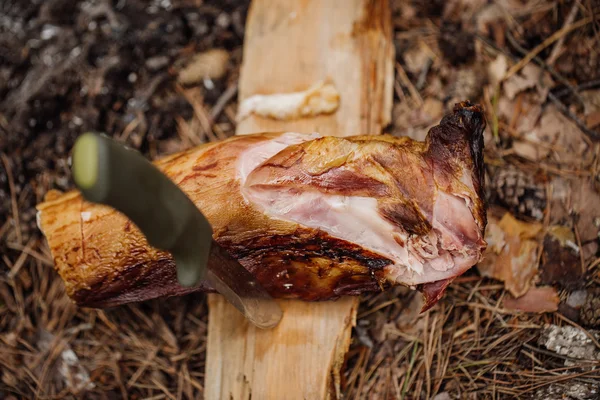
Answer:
[(442, 396), (577, 298), (223, 20), (157, 63), (569, 341)]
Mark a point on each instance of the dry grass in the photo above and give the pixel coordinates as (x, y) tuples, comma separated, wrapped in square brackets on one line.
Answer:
[(468, 345)]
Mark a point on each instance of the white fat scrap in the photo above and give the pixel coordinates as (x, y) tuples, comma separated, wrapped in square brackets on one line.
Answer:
[(86, 216), (38, 220), (321, 98)]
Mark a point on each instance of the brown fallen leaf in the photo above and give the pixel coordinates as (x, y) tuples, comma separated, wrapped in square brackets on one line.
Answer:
[(512, 253), (591, 101), (536, 300), (539, 134), (560, 259), (576, 201), (526, 79), (593, 120)]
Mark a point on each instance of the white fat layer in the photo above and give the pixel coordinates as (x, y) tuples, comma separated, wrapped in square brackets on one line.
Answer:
[(321, 98), (357, 220), (354, 219)]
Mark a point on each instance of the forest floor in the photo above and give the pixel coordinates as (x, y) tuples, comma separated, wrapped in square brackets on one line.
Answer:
[(162, 75)]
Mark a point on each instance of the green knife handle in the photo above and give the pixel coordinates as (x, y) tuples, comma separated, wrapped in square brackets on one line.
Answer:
[(109, 173)]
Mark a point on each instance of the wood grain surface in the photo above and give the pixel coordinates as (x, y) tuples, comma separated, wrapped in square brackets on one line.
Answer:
[(289, 46)]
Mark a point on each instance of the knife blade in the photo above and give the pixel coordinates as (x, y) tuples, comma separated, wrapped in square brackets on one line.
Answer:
[(109, 173)]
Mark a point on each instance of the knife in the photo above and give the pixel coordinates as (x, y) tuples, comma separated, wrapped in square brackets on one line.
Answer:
[(112, 174)]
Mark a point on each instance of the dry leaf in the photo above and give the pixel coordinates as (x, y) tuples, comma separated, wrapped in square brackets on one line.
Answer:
[(591, 101), (560, 259), (550, 133), (512, 252), (497, 69), (489, 15), (576, 199), (321, 98), (523, 118), (209, 65), (415, 122), (570, 341), (536, 300), (526, 79), (593, 120)]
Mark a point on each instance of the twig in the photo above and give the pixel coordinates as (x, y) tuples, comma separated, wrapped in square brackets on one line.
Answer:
[(545, 66), (39, 76), (414, 93), (222, 101), (584, 86), (594, 263), (163, 389), (4, 228), (410, 368), (199, 111), (589, 335), (21, 260), (567, 113), (13, 195), (559, 44), (185, 132), (142, 367), (129, 128), (549, 382), (539, 48)]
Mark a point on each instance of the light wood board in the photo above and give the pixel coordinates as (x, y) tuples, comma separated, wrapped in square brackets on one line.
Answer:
[(289, 46)]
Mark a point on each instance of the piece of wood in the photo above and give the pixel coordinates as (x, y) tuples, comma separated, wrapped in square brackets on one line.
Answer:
[(290, 46)]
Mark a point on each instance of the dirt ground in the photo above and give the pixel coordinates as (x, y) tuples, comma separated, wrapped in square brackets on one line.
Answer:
[(161, 76)]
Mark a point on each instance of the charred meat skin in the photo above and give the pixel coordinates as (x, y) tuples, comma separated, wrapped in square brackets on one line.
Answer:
[(314, 218)]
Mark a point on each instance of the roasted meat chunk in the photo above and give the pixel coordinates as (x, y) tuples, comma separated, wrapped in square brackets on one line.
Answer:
[(313, 217)]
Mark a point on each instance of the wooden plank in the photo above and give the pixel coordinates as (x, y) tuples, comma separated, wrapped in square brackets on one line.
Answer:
[(289, 46)]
